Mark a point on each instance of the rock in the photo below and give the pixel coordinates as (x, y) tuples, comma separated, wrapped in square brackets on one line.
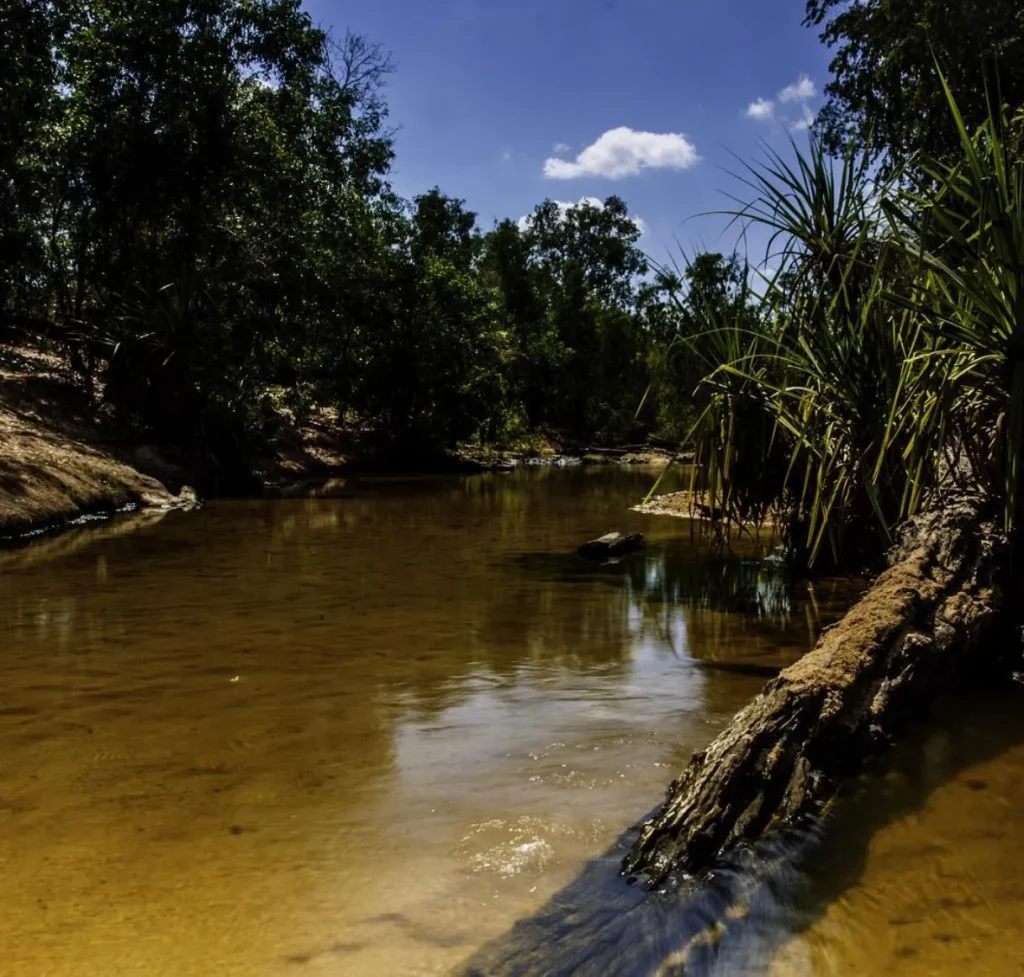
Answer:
[(611, 545), (159, 498), (187, 499)]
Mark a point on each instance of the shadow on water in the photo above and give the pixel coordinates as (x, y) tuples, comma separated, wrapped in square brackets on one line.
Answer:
[(981, 724), (735, 921), (600, 924)]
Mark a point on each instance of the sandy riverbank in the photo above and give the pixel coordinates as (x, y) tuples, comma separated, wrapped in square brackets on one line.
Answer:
[(57, 461)]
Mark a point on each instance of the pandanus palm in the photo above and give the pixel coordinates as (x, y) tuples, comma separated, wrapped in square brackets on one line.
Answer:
[(828, 366), (890, 339), (967, 239)]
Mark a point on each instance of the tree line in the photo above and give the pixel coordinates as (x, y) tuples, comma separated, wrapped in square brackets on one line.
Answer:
[(195, 208), (194, 204)]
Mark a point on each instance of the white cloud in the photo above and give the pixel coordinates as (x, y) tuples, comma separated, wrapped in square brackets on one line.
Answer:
[(565, 206), (760, 279), (800, 91), (804, 123), (561, 147), (762, 109), (625, 152)]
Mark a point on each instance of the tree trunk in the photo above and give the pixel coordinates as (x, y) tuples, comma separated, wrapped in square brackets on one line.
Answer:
[(784, 756)]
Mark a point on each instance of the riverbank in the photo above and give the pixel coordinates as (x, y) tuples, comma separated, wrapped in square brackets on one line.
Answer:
[(687, 504), (684, 504), (62, 458), (549, 450), (58, 461)]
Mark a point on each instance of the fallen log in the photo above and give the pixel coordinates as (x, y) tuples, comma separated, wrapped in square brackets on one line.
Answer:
[(785, 755)]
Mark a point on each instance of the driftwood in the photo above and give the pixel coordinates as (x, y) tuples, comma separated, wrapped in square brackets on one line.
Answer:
[(784, 756), (611, 545)]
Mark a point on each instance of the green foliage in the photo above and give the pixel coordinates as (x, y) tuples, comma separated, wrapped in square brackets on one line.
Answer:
[(886, 357), (431, 373), (887, 354), (27, 73), (682, 312), (884, 90), (568, 284), (801, 395), (967, 240), (196, 164), (719, 349), (194, 202)]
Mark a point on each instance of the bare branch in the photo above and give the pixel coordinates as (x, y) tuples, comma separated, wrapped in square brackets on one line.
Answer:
[(360, 67)]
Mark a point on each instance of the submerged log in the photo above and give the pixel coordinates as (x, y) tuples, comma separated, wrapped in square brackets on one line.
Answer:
[(785, 755), (611, 545)]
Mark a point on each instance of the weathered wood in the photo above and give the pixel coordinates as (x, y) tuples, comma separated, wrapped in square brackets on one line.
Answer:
[(611, 545), (787, 753)]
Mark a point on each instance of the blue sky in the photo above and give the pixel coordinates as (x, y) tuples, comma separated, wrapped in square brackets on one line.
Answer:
[(655, 94)]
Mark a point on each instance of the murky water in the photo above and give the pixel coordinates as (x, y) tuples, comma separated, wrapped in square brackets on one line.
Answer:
[(366, 734)]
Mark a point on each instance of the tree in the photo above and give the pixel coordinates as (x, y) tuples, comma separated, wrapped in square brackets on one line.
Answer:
[(27, 72), (600, 238), (208, 168), (509, 268), (885, 90), (194, 201), (711, 289), (430, 372), (586, 268)]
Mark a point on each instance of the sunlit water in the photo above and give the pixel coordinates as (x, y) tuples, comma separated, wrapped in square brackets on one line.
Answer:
[(367, 734)]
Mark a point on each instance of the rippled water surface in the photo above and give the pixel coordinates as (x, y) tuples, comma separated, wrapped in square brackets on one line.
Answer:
[(366, 733)]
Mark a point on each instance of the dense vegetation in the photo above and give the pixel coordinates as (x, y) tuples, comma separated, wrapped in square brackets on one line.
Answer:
[(887, 358), (885, 92), (194, 206)]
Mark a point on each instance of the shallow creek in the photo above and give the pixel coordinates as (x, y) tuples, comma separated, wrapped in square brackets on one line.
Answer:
[(365, 732)]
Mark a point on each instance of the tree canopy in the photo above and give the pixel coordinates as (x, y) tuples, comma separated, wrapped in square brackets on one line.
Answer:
[(885, 91), (195, 204)]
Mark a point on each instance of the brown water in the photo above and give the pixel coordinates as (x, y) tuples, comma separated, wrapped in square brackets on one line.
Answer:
[(921, 875), (365, 734)]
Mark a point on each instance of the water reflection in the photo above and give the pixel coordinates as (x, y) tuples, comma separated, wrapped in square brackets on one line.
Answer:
[(363, 732)]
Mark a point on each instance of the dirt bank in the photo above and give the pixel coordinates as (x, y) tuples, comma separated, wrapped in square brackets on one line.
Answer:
[(683, 504), (58, 461), (687, 504)]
